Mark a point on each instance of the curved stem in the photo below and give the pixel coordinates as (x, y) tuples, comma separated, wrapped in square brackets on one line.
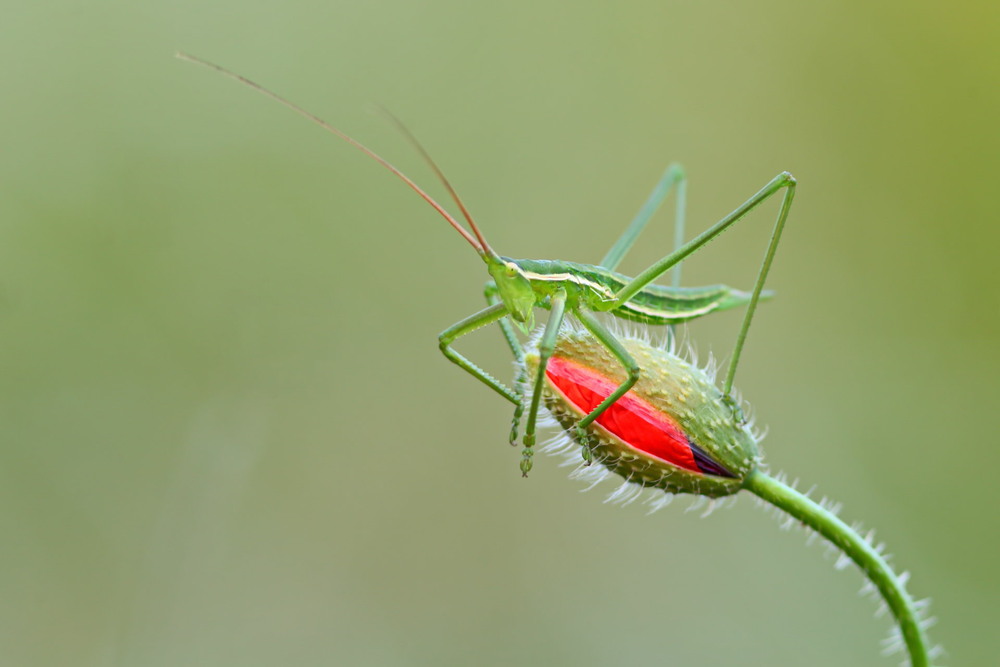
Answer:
[(856, 548)]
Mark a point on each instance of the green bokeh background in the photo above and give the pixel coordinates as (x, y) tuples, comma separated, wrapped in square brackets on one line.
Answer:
[(228, 437)]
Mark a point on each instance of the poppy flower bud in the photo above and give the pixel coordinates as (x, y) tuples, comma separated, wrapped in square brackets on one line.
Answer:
[(674, 430)]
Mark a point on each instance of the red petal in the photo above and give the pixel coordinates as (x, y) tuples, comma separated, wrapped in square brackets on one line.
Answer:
[(632, 419)]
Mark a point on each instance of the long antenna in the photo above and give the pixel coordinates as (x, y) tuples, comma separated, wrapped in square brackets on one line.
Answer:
[(441, 177), (357, 144)]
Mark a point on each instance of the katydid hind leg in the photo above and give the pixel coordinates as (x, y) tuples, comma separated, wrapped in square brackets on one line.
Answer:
[(674, 176), (546, 346), (784, 181), (475, 321), (680, 220), (765, 267)]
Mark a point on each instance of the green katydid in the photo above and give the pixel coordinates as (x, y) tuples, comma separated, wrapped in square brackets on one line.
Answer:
[(518, 286)]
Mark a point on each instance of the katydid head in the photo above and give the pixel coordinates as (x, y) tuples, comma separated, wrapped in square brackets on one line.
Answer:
[(515, 290)]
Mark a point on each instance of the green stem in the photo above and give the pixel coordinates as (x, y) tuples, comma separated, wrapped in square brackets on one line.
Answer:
[(856, 548)]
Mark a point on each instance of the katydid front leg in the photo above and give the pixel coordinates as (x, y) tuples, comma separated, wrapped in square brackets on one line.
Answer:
[(469, 324)]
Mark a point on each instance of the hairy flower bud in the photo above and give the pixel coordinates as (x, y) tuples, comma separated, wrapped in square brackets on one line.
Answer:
[(674, 429)]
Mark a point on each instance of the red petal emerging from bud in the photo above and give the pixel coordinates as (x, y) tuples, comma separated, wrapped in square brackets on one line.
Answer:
[(630, 418), (673, 430)]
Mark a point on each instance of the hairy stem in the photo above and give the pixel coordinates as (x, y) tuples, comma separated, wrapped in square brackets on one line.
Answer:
[(856, 548)]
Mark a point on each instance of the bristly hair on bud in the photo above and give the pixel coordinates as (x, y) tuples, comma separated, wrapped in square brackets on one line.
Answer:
[(673, 431)]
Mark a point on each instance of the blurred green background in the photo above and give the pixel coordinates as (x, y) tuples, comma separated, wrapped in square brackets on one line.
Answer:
[(228, 437)]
